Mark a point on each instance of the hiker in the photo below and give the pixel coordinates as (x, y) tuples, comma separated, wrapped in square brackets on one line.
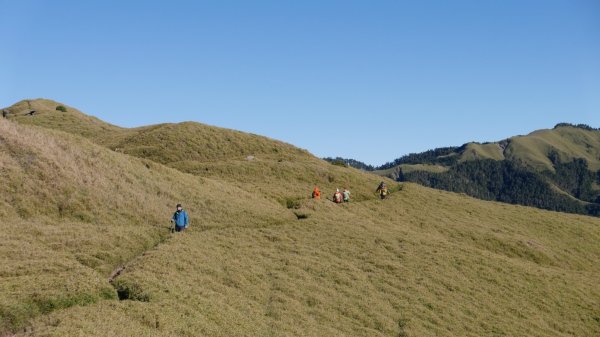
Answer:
[(5, 113), (180, 219), (316, 194), (337, 196), (382, 190), (346, 195)]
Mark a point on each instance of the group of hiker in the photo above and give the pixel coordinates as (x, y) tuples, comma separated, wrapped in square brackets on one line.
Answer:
[(180, 219), (344, 196), (338, 197)]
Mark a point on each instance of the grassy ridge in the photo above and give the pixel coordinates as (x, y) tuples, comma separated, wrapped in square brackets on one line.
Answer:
[(163, 143), (569, 142), (72, 120), (533, 150), (556, 169), (277, 169), (423, 263), (71, 211), (475, 151)]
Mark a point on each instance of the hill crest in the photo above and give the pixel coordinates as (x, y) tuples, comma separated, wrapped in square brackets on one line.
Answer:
[(422, 262)]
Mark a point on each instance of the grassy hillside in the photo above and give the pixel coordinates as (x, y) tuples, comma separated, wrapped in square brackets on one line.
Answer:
[(422, 263), (72, 211), (533, 150), (474, 151), (251, 162), (71, 120), (568, 142), (556, 169)]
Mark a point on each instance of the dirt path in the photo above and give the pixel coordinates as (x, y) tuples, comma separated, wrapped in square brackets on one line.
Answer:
[(123, 266)]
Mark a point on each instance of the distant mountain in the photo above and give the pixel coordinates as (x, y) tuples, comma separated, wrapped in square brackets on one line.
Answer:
[(556, 169)]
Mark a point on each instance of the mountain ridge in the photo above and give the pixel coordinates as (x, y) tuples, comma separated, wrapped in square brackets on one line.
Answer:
[(263, 260), (556, 169)]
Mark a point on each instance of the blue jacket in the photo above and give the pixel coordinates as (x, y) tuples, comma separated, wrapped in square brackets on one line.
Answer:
[(180, 218)]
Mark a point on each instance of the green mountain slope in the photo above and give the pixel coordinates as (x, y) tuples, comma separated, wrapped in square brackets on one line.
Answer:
[(556, 169), (422, 263), (568, 142)]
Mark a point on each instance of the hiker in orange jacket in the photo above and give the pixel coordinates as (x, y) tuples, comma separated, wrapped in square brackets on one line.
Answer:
[(316, 194)]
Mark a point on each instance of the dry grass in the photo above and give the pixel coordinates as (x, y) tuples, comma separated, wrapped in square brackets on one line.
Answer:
[(475, 151), (569, 142), (532, 150), (278, 170), (73, 120), (422, 263), (71, 208)]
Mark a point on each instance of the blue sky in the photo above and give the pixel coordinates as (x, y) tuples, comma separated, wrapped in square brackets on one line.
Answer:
[(370, 80)]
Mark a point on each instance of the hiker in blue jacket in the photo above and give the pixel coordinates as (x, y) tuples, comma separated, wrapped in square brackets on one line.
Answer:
[(180, 219)]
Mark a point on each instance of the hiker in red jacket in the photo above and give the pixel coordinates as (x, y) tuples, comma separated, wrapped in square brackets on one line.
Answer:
[(337, 196)]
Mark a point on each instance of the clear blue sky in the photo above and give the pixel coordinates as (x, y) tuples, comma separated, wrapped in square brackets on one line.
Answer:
[(370, 80)]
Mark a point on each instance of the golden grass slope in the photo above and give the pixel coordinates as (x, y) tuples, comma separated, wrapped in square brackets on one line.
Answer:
[(533, 149), (568, 142), (475, 151), (72, 121), (277, 169), (164, 143), (422, 263), (71, 211)]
